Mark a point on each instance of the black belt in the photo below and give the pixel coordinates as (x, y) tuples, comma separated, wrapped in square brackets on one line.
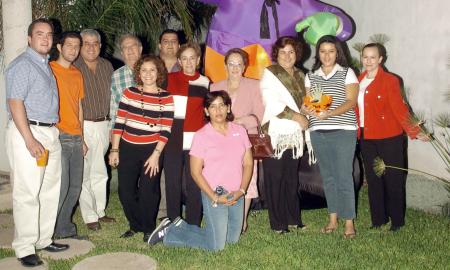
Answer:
[(41, 124), (104, 118)]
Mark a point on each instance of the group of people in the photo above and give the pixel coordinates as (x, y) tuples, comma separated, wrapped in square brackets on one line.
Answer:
[(159, 112)]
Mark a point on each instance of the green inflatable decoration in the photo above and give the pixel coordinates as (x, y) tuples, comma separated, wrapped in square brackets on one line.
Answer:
[(319, 24)]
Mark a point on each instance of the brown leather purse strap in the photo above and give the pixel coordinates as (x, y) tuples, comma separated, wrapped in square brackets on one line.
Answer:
[(260, 132)]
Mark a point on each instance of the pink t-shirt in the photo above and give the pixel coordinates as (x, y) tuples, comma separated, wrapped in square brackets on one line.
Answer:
[(222, 155)]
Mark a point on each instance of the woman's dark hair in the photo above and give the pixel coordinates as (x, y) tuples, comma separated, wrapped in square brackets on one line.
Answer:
[(241, 52), (212, 96), (282, 42), (341, 59), (160, 68), (381, 50)]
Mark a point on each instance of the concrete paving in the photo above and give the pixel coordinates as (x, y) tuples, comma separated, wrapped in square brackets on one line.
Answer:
[(11, 263), (426, 194), (77, 248), (6, 238), (6, 221), (6, 230), (117, 261), (5, 194)]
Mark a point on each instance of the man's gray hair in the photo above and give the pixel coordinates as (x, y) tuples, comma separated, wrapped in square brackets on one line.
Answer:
[(125, 36), (91, 32)]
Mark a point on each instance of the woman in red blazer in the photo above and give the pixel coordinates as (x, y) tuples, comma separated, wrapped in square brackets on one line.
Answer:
[(384, 118)]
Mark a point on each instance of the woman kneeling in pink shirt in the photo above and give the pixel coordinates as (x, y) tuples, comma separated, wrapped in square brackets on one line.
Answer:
[(221, 165)]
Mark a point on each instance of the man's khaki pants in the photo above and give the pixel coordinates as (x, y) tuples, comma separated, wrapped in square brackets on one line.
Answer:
[(95, 177), (35, 189)]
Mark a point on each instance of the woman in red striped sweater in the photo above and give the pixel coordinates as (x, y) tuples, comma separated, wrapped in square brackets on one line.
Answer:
[(142, 128)]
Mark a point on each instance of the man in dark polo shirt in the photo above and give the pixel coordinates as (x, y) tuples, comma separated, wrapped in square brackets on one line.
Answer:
[(32, 103), (96, 73)]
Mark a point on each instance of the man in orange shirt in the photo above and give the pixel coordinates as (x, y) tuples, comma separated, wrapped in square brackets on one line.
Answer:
[(70, 88)]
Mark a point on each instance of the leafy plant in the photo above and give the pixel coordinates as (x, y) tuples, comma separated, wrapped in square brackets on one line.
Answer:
[(114, 17)]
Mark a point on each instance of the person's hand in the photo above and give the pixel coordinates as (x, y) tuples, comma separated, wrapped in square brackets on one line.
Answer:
[(222, 199), (233, 197), (307, 110), (85, 148), (152, 164), (113, 159), (423, 137), (35, 147), (323, 115), (302, 121)]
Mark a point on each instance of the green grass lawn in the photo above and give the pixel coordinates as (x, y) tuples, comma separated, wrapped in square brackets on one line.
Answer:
[(424, 243)]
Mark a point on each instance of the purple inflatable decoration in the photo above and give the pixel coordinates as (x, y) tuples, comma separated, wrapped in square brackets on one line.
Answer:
[(242, 23)]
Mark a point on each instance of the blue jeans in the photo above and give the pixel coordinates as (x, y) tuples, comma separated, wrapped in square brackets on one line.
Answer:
[(71, 180), (223, 225), (335, 151)]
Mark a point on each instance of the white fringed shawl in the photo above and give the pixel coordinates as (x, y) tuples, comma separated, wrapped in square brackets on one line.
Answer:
[(284, 133)]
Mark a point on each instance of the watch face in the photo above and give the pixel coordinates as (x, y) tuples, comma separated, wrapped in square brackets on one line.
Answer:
[(220, 190)]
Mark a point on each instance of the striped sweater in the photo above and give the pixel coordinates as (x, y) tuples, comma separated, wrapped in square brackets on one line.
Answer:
[(334, 87), (188, 93), (144, 118)]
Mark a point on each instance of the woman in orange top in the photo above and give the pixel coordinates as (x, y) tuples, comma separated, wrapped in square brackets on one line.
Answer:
[(384, 118)]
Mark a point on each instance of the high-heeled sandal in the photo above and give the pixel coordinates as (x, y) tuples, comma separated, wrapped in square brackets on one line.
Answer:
[(327, 229), (350, 235)]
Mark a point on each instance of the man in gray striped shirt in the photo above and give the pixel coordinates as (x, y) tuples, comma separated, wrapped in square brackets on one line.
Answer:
[(97, 73), (32, 102)]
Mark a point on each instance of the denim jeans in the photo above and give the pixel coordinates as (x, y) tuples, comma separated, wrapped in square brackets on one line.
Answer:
[(223, 225), (71, 180), (335, 151)]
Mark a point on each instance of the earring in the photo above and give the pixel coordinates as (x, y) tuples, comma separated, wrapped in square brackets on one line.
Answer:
[(207, 114)]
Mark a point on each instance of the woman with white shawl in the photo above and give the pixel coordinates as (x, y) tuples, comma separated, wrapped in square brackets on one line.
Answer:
[(282, 87)]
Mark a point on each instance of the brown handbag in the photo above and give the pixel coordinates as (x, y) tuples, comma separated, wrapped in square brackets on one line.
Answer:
[(261, 144)]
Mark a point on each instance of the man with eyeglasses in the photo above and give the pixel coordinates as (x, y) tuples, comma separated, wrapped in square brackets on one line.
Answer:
[(131, 50), (97, 73)]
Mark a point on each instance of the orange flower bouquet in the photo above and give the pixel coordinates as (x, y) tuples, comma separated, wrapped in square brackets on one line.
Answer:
[(317, 100)]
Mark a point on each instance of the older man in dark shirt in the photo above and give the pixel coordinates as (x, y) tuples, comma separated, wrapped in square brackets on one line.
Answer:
[(32, 102), (96, 73)]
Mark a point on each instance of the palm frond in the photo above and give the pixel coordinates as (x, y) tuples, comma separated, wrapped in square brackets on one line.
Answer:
[(358, 46), (145, 18), (379, 38), (378, 166), (443, 120)]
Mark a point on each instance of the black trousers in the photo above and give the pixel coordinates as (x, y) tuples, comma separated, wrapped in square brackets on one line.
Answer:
[(139, 193), (176, 160), (387, 194), (281, 186)]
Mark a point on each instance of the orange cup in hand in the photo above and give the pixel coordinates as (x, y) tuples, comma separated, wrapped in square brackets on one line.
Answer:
[(43, 159)]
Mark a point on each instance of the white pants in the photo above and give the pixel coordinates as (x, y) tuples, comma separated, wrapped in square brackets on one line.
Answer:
[(95, 177), (35, 189)]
